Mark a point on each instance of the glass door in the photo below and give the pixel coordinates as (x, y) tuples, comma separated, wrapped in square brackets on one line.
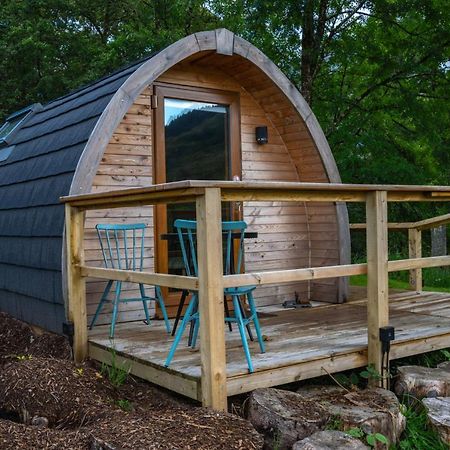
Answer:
[(197, 138)]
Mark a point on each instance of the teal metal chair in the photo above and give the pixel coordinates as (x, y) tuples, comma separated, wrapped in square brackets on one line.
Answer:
[(123, 248), (186, 230)]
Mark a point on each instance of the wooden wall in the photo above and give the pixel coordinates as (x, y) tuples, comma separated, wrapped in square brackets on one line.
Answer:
[(289, 235)]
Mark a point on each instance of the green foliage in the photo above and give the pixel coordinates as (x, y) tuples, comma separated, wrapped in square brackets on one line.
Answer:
[(117, 374), (418, 434), (370, 374), (49, 47), (124, 404)]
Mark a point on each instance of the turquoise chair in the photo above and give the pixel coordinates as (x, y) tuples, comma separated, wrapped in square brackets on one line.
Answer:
[(123, 248), (186, 230)]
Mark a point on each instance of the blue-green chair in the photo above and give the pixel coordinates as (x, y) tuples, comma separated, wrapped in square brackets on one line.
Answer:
[(123, 248), (186, 230)]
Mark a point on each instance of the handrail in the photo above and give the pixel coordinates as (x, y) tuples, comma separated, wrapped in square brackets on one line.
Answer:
[(421, 225), (210, 282), (414, 230)]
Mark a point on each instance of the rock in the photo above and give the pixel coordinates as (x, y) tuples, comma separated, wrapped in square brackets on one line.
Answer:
[(372, 410), (438, 411), (283, 417), (100, 444), (420, 382), (444, 366), (329, 440), (41, 422)]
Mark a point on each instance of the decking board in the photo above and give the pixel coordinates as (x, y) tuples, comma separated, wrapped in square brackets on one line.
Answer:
[(301, 343)]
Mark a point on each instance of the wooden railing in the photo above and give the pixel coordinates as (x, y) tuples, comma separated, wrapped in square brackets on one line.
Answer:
[(211, 281), (414, 230)]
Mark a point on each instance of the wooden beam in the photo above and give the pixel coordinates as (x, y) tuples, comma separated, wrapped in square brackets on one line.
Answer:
[(294, 195), (286, 276), (377, 274), (160, 279), (433, 222), (394, 226), (415, 251), (132, 197), (409, 264), (76, 284), (210, 278)]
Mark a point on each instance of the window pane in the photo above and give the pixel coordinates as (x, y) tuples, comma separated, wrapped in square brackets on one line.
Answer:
[(197, 148)]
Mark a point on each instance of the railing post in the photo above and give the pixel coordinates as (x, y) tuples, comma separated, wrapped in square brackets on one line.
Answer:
[(76, 284), (377, 274), (211, 307), (415, 251)]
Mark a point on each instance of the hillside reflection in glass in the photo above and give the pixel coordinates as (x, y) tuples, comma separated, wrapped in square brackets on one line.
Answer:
[(197, 148)]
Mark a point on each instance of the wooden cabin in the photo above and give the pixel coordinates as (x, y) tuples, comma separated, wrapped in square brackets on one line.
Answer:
[(210, 106)]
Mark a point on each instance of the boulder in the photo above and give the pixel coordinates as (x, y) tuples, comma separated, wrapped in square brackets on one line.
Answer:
[(420, 382), (329, 440), (438, 411), (284, 417), (371, 410)]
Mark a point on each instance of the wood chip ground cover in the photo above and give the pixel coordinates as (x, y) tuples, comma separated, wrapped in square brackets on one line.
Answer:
[(82, 406)]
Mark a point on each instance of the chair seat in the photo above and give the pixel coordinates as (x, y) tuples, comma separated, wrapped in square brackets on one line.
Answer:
[(242, 290)]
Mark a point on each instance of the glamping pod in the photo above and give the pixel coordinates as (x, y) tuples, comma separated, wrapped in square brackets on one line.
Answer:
[(210, 106)]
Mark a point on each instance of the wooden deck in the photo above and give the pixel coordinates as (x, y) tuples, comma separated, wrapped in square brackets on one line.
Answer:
[(301, 343)]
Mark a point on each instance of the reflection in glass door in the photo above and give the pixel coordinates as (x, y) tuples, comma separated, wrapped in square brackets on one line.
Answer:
[(196, 136)]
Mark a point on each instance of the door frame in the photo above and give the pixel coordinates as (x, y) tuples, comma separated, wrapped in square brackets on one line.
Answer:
[(183, 92)]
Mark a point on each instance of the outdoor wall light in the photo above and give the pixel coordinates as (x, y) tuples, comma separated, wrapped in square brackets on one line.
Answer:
[(262, 135)]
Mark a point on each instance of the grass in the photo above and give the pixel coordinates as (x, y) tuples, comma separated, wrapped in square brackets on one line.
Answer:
[(361, 280), (418, 434)]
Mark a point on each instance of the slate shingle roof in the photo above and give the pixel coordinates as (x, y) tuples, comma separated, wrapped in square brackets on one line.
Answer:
[(47, 148)]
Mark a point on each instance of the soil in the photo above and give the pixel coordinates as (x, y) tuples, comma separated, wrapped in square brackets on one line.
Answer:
[(76, 406)]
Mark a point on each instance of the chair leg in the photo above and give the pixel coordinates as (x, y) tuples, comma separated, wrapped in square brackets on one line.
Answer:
[(251, 303), (144, 304), (244, 316), (184, 295), (192, 326), (187, 318), (115, 309), (227, 311), (160, 300), (101, 303), (237, 312), (195, 333)]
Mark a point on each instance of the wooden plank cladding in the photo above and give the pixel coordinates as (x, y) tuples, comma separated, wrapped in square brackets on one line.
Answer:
[(285, 233)]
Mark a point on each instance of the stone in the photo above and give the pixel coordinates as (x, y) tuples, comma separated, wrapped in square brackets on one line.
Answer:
[(372, 410), (444, 366), (420, 382), (100, 444), (438, 411), (329, 440), (284, 417), (41, 422)]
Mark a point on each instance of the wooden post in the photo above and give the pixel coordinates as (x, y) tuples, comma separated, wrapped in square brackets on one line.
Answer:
[(211, 308), (76, 284), (415, 251), (377, 274)]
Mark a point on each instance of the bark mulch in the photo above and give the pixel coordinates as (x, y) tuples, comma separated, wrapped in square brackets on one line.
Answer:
[(15, 436), (177, 428), (17, 339), (85, 411), (56, 389)]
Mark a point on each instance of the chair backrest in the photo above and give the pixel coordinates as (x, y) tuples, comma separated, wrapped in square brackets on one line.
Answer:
[(233, 237), (122, 245)]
